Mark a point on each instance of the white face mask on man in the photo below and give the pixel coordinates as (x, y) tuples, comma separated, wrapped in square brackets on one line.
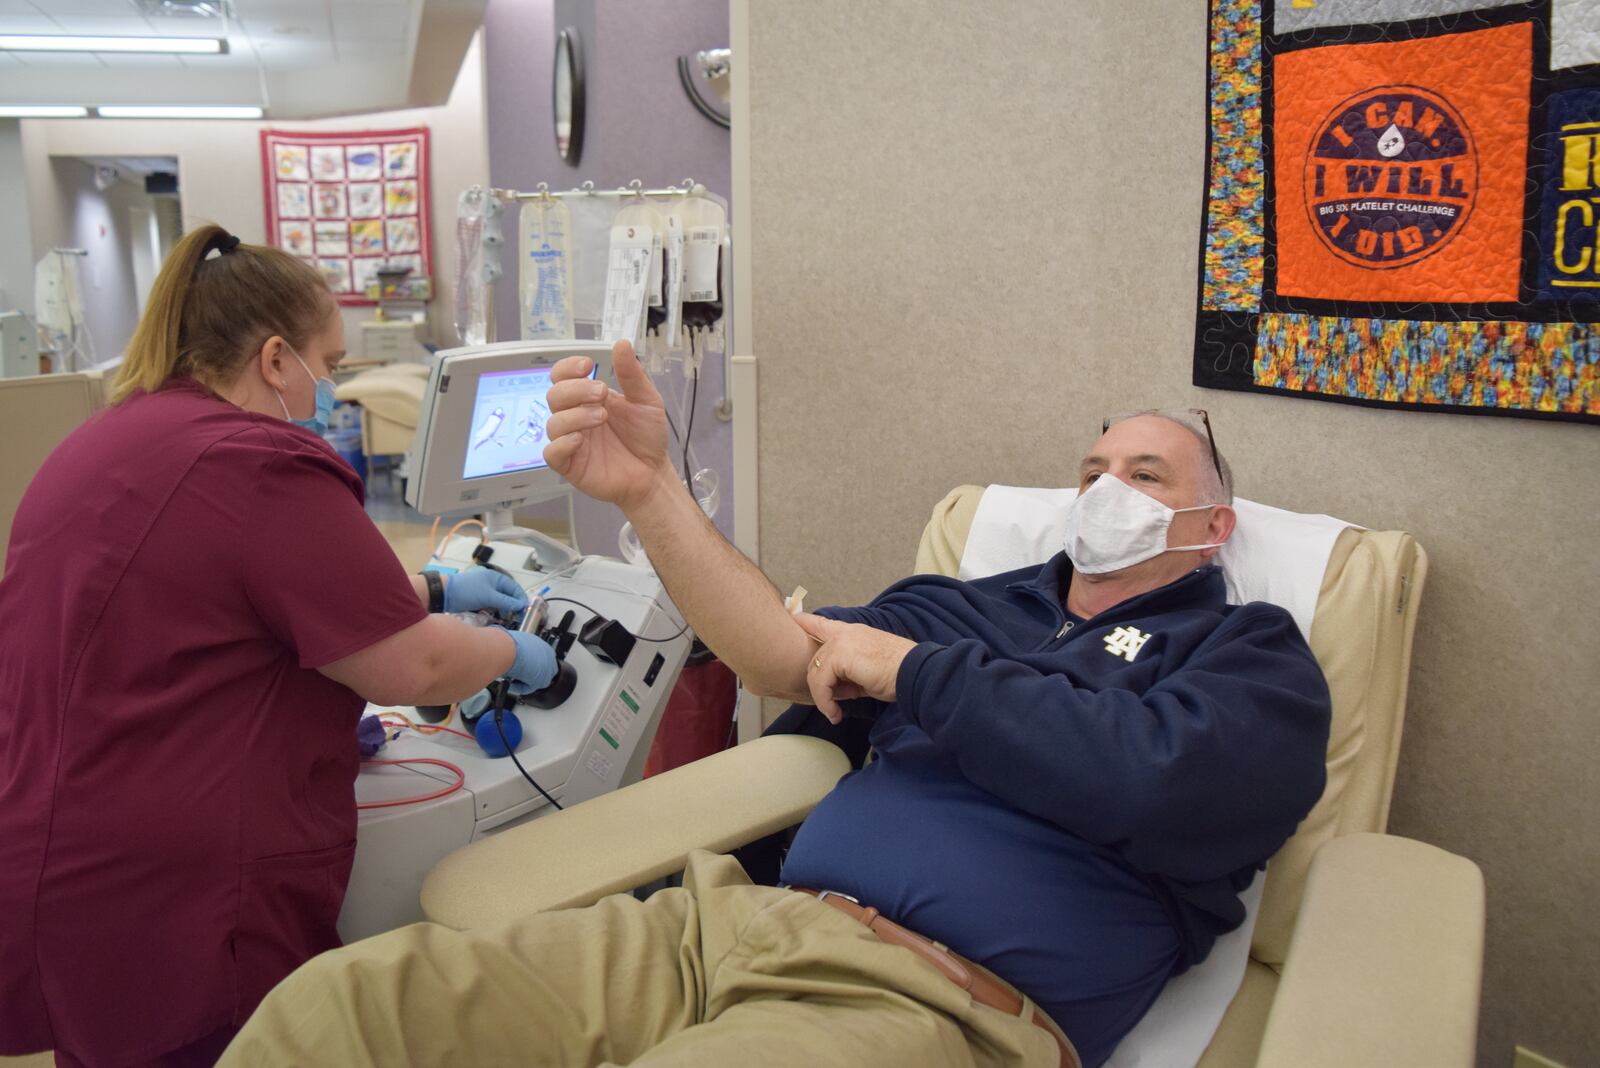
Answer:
[(1111, 526)]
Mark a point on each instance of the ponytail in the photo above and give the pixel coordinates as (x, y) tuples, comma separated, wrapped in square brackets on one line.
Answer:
[(205, 317), (153, 353)]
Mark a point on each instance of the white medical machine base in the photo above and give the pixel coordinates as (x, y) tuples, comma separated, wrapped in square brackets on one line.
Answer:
[(594, 742)]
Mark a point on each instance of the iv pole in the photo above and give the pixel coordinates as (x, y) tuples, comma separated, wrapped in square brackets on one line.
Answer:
[(75, 345)]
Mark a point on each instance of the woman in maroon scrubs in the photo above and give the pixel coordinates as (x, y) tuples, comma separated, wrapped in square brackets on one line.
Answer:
[(194, 610)]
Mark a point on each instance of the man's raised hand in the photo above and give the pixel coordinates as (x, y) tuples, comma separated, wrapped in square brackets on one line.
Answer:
[(611, 446)]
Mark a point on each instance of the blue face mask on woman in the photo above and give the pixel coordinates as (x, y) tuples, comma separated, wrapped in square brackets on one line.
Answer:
[(318, 423)]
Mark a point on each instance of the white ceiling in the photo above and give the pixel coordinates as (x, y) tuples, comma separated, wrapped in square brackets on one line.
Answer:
[(296, 58)]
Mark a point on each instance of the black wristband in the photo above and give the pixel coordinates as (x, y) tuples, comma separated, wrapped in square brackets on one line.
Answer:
[(435, 590)]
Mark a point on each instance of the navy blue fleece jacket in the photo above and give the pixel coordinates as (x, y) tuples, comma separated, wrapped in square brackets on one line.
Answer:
[(1075, 807)]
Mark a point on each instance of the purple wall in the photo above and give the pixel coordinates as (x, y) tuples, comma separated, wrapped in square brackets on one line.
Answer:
[(638, 124)]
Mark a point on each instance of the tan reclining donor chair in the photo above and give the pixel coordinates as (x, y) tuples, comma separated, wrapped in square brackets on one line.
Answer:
[(1367, 948), (391, 403)]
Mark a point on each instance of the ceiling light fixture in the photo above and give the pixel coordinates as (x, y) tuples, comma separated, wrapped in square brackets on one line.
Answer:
[(42, 111), (119, 111), (35, 42), (207, 9)]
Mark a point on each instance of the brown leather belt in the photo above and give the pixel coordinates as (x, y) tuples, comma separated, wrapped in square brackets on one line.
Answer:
[(985, 987)]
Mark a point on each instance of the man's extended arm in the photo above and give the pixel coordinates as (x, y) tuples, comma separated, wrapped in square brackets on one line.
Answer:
[(613, 447), (731, 604)]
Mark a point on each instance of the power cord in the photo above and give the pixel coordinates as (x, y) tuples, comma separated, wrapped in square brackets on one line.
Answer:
[(638, 637), (499, 725)]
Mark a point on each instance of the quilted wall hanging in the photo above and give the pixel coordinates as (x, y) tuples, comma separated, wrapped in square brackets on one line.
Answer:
[(348, 203), (1403, 204)]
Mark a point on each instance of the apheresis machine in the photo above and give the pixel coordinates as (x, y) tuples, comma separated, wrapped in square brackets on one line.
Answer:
[(620, 642)]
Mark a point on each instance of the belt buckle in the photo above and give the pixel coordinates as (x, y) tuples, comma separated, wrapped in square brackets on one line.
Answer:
[(823, 895)]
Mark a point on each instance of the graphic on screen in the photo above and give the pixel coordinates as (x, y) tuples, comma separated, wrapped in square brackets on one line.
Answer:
[(508, 423)]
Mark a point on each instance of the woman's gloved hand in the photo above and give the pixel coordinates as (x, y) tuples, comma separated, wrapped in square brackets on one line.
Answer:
[(535, 665), (484, 587)]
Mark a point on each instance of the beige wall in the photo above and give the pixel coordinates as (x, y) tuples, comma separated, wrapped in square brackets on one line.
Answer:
[(975, 233), (219, 173), (101, 223), (16, 245)]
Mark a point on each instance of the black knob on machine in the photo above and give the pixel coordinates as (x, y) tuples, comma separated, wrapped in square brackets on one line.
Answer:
[(559, 690)]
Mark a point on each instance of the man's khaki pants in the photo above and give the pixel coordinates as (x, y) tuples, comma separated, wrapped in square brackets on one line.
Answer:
[(719, 972)]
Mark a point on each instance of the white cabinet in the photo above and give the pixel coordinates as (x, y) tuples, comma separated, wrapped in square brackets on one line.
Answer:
[(392, 340), (19, 346)]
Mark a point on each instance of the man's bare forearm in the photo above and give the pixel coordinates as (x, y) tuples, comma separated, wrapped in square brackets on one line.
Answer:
[(732, 606)]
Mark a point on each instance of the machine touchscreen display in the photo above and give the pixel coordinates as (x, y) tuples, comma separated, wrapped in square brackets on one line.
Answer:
[(508, 423)]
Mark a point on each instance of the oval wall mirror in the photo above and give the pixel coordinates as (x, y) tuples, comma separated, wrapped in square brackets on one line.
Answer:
[(568, 96)]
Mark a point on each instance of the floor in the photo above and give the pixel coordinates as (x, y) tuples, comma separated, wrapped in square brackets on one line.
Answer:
[(403, 527)]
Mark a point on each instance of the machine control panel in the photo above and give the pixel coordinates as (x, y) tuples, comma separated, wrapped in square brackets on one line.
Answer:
[(621, 643)]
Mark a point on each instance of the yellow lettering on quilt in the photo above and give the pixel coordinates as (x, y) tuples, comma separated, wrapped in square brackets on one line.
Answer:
[(1580, 160), (1561, 236)]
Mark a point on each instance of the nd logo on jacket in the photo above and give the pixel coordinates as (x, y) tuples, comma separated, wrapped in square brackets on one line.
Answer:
[(1391, 176)]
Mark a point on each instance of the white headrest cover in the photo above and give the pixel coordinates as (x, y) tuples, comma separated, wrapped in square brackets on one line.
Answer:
[(1273, 555)]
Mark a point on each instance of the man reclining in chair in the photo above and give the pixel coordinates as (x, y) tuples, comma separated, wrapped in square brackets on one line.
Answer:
[(1079, 767)]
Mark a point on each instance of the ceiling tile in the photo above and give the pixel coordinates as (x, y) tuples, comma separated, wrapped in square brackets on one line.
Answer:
[(131, 25), (59, 59), (145, 62), (182, 26), (280, 10), (369, 29), (362, 51), (313, 68), (32, 22), (289, 54), (88, 7)]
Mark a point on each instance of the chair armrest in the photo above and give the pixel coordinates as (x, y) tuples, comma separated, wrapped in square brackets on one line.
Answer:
[(631, 836), (1386, 962)]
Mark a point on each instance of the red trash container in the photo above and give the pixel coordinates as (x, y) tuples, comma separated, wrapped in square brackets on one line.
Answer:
[(698, 719)]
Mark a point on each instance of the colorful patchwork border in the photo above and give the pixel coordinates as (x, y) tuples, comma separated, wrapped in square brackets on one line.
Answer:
[(1236, 187), (1551, 368)]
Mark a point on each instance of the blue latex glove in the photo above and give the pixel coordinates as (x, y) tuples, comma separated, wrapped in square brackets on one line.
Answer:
[(484, 587), (535, 665)]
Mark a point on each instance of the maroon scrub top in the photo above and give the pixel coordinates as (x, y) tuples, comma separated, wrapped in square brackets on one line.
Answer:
[(177, 809)]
